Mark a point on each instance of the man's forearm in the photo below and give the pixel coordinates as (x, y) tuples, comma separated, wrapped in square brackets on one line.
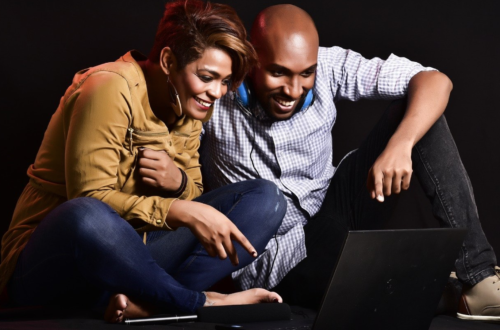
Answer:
[(428, 95)]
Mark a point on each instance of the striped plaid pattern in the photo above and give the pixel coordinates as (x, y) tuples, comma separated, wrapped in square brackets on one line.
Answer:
[(296, 154)]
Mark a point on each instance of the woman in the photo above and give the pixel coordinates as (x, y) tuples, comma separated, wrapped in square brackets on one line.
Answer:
[(113, 215)]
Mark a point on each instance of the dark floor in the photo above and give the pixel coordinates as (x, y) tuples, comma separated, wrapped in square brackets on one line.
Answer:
[(56, 319)]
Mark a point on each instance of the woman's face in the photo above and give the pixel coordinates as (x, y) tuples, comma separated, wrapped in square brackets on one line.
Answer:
[(202, 82)]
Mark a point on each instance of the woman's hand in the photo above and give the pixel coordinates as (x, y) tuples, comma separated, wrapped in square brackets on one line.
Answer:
[(212, 228), (158, 170)]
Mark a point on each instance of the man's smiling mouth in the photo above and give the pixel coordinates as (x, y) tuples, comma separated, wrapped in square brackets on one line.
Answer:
[(284, 103)]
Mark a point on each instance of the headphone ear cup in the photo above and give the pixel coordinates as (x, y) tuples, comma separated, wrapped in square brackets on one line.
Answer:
[(307, 100), (243, 95)]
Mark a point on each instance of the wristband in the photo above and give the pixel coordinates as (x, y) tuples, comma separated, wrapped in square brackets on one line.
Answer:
[(182, 187)]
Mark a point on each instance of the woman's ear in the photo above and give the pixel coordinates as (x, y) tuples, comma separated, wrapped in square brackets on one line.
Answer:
[(168, 61)]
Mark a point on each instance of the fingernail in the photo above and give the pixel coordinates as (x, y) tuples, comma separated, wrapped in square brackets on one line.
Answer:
[(275, 300), (254, 254), (380, 198)]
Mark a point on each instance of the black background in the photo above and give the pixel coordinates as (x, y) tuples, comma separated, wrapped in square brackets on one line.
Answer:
[(43, 43)]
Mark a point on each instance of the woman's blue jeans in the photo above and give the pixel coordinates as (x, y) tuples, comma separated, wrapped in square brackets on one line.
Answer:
[(83, 252), (349, 206)]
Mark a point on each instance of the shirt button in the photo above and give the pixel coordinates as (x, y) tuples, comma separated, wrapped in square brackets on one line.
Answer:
[(158, 221)]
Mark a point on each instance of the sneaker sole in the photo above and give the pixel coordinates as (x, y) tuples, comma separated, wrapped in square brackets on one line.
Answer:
[(478, 317)]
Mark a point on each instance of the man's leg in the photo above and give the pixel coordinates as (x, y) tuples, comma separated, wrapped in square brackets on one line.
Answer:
[(440, 171), (445, 181), (348, 206)]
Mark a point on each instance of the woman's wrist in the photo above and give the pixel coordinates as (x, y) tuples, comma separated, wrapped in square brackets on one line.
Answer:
[(177, 216), (183, 184)]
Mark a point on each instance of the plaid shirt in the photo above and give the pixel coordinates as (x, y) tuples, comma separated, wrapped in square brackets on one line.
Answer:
[(295, 154)]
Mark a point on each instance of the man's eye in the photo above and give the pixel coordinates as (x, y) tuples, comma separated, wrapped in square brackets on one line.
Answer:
[(226, 82), (308, 73), (277, 73)]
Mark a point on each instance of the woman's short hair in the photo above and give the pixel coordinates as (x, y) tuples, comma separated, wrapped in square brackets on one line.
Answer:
[(189, 27)]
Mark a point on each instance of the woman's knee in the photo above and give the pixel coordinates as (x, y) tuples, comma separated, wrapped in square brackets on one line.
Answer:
[(85, 216), (270, 202)]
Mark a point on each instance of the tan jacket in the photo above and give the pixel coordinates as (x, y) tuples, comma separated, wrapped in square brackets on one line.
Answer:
[(90, 149)]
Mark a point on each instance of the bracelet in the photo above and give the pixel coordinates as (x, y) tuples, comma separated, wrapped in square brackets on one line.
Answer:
[(181, 189)]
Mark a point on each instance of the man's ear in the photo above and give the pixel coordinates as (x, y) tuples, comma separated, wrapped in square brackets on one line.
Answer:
[(168, 62)]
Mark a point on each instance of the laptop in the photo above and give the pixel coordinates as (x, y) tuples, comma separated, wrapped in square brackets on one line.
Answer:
[(384, 279)]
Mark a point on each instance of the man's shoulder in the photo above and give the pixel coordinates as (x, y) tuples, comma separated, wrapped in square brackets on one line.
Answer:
[(330, 51)]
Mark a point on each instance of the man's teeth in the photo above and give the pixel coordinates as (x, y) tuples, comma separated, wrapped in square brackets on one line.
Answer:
[(285, 103), (203, 103)]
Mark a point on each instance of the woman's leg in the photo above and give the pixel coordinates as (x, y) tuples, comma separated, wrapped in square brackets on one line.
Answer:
[(84, 246), (257, 207)]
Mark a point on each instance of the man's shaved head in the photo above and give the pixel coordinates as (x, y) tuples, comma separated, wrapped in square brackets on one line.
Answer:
[(283, 23), (287, 43)]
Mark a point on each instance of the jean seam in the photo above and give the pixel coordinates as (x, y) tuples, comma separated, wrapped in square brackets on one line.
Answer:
[(442, 200), (481, 275)]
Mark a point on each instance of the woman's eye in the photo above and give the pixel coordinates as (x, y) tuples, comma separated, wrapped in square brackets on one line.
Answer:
[(277, 73), (205, 78), (226, 82)]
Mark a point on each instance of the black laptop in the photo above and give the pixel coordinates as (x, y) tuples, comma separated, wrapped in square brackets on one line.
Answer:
[(384, 279)]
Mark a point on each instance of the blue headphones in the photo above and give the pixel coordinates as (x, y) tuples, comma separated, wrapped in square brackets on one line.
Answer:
[(245, 100)]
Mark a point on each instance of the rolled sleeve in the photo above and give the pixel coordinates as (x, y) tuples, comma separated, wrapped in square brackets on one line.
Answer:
[(395, 76), (355, 77)]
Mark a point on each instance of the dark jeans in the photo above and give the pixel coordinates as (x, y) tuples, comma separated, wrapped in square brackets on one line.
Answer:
[(83, 252), (348, 206)]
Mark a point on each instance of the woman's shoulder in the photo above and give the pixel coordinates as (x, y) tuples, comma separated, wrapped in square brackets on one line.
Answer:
[(109, 73), (124, 70), (111, 78)]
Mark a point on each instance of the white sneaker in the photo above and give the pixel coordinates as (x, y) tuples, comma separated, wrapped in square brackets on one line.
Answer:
[(482, 301)]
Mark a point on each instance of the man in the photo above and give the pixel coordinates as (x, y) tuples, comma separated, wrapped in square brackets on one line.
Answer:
[(273, 131)]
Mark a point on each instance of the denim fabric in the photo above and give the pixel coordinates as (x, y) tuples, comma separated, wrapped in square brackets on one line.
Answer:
[(83, 251), (348, 206)]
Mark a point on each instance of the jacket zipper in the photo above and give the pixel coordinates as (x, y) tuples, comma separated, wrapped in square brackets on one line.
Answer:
[(131, 131)]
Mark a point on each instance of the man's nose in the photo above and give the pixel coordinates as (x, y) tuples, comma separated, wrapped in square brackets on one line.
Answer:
[(293, 89)]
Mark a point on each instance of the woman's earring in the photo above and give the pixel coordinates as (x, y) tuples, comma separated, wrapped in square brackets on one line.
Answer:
[(174, 98)]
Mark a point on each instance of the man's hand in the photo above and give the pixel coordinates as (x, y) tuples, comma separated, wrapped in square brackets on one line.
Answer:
[(157, 169), (390, 173), (212, 228), (428, 94)]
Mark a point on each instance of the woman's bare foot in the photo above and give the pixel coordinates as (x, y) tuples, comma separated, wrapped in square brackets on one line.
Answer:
[(121, 307), (251, 296)]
